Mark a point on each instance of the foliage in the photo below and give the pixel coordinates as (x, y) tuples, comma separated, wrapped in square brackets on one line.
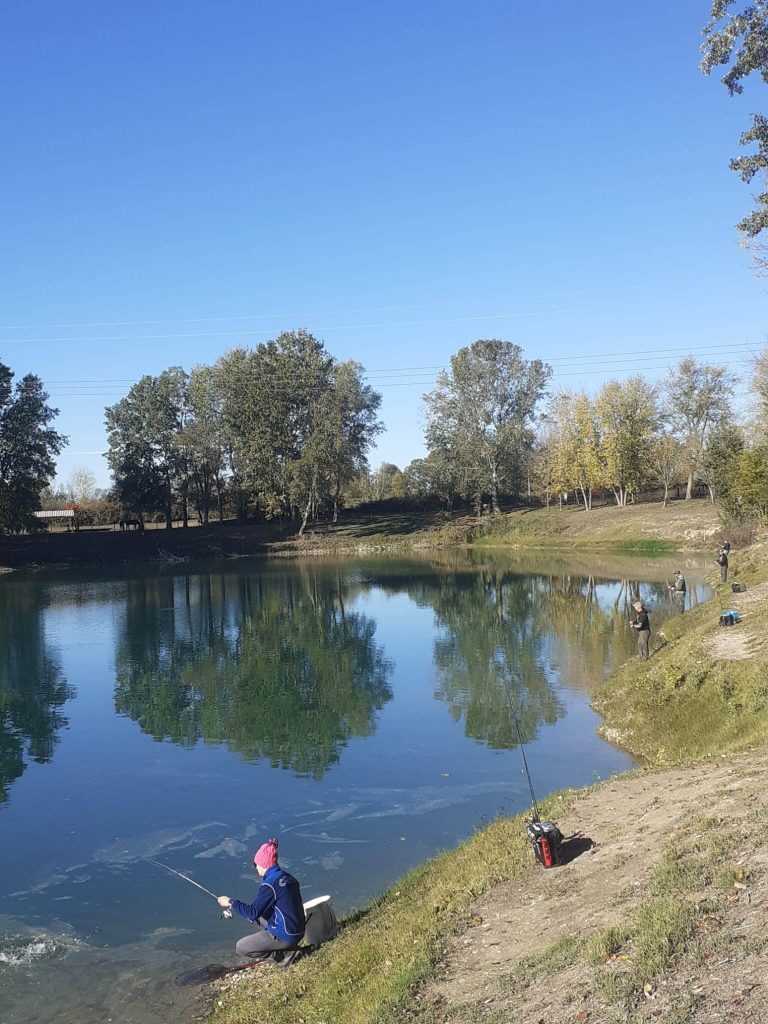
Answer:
[(284, 427), (28, 448), (32, 687), (627, 415), (665, 461), (480, 416), (721, 456), (698, 401), (290, 680), (735, 38)]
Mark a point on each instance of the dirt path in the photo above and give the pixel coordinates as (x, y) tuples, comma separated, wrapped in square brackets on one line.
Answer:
[(630, 821)]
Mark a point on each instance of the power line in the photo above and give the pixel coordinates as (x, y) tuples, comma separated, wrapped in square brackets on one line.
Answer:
[(723, 348), (293, 316)]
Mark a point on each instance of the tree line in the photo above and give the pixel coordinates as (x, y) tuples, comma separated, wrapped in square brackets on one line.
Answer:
[(493, 428), (278, 431)]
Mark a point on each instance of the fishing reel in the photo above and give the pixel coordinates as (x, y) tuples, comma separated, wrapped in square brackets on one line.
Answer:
[(226, 913)]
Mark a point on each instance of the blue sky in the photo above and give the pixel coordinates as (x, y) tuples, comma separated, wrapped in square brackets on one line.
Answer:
[(398, 178)]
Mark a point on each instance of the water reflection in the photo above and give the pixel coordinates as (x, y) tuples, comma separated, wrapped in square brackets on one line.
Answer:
[(276, 667), (488, 657), (32, 687)]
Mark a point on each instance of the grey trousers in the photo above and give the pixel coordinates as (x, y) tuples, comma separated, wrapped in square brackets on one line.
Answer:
[(260, 942), (643, 636), (723, 573)]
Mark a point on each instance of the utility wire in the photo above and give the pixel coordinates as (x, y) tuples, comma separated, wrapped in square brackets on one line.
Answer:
[(294, 316)]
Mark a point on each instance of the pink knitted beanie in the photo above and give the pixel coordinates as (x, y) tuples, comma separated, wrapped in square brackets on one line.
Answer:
[(266, 855)]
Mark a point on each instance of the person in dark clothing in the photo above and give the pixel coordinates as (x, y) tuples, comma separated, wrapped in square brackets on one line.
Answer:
[(643, 627), (727, 547), (722, 561), (677, 590), (278, 909)]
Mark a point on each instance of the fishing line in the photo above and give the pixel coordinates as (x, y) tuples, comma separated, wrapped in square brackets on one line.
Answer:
[(226, 912)]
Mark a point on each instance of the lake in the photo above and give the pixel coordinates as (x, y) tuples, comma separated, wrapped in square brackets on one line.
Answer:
[(359, 710)]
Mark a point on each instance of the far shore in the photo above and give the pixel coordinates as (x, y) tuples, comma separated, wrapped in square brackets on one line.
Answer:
[(643, 528)]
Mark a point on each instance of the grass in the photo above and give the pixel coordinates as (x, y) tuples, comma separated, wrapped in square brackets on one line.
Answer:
[(683, 704), (368, 973), (687, 886)]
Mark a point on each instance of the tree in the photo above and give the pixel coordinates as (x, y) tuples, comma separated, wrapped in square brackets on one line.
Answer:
[(698, 400), (28, 448), (759, 387), (735, 36), (665, 461), (81, 485), (724, 446), (202, 442), (575, 440), (748, 492), (149, 468), (480, 414), (627, 415)]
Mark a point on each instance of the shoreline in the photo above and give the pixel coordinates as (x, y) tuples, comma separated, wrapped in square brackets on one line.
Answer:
[(360, 978), (686, 527)]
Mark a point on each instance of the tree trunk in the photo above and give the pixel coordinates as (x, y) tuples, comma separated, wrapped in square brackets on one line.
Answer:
[(689, 487), (666, 495), (711, 490), (185, 511), (306, 517), (168, 517)]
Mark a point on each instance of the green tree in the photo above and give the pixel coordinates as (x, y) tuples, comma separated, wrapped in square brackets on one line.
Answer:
[(735, 38), (148, 467), (759, 388), (628, 418), (575, 444), (721, 454), (28, 449), (481, 413), (665, 459), (202, 442), (748, 490), (698, 400)]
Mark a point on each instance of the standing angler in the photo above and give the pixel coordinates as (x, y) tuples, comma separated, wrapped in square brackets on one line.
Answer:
[(643, 627), (722, 561), (678, 588), (277, 909)]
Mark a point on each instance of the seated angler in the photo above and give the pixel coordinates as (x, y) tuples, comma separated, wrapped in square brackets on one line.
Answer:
[(277, 909)]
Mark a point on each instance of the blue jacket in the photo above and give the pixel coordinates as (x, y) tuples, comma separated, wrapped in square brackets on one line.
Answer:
[(278, 902)]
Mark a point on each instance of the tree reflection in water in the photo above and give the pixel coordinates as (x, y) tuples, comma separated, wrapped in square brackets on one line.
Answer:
[(274, 666), (488, 657), (32, 688)]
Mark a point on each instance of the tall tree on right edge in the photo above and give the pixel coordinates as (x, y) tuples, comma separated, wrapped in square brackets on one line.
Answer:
[(736, 36)]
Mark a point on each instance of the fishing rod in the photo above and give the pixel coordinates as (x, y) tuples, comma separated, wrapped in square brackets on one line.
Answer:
[(545, 836), (537, 816), (226, 912)]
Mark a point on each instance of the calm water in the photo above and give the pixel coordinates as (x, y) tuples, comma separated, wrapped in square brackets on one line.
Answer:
[(358, 710)]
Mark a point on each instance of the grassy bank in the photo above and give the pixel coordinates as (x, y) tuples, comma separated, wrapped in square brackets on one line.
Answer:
[(644, 529), (704, 693), (368, 972), (630, 934)]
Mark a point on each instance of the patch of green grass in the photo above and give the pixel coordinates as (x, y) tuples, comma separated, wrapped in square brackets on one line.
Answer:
[(556, 957), (370, 969), (683, 705), (604, 944), (644, 547)]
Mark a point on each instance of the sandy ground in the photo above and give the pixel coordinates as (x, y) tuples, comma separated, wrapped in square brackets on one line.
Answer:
[(629, 821)]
